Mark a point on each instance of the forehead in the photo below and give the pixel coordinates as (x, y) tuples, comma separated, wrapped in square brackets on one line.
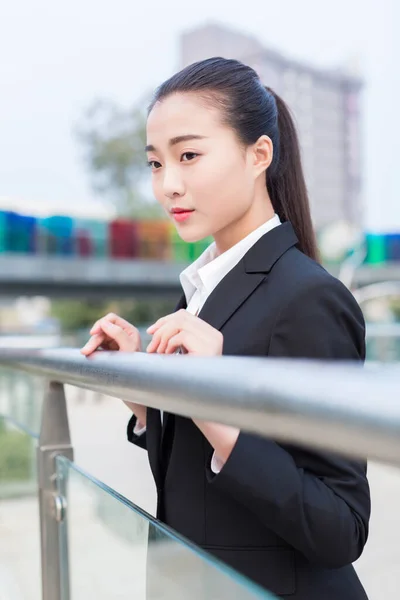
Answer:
[(180, 114)]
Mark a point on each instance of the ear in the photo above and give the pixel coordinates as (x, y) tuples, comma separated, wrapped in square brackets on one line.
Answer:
[(262, 153)]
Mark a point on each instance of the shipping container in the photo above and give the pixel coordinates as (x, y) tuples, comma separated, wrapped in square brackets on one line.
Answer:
[(98, 234), (55, 236), (376, 251), (123, 239), (186, 252), (21, 233), (3, 232), (83, 244), (392, 247), (155, 240), (197, 248), (179, 248)]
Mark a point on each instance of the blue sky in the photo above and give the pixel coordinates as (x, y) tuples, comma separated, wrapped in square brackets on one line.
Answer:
[(56, 58)]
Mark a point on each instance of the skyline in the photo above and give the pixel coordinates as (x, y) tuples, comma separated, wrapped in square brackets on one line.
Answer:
[(98, 53)]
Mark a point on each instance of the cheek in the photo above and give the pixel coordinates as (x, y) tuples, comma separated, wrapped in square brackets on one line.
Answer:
[(156, 185), (223, 185)]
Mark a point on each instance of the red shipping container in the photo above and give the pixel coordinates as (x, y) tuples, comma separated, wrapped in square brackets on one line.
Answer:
[(84, 245), (124, 239)]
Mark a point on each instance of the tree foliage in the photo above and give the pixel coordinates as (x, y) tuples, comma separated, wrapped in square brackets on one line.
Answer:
[(74, 315), (113, 141)]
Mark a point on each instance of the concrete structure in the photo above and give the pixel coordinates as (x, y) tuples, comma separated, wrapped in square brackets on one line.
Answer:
[(65, 277), (55, 277), (326, 106)]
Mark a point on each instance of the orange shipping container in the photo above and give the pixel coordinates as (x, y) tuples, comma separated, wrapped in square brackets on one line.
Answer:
[(155, 241)]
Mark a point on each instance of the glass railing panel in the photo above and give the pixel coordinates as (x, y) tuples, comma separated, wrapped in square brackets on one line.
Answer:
[(113, 549), (383, 348), (21, 399), (20, 572)]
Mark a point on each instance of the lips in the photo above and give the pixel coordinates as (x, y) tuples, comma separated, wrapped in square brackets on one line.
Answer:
[(181, 210), (181, 214)]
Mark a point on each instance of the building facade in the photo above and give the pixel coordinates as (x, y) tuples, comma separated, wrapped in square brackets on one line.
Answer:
[(326, 108)]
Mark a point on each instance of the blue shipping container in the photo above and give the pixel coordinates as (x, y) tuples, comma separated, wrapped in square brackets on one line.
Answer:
[(21, 233), (55, 236), (392, 243)]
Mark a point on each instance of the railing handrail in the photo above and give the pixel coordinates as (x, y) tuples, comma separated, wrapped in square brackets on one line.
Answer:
[(340, 407)]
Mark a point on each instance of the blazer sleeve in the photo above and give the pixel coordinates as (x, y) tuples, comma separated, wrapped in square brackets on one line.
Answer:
[(138, 440), (318, 502)]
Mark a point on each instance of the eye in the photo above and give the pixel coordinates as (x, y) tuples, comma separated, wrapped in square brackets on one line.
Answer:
[(153, 164), (189, 156)]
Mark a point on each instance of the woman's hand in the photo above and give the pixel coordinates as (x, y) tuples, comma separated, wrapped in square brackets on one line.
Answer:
[(183, 329), (113, 333), (197, 337)]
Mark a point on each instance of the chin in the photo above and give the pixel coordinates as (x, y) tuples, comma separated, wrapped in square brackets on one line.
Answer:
[(192, 235)]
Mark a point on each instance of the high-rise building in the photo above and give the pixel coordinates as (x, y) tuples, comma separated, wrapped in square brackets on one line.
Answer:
[(326, 107)]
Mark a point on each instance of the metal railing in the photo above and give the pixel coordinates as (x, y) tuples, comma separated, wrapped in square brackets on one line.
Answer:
[(345, 408)]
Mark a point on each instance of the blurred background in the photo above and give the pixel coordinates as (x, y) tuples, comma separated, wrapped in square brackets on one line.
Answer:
[(75, 195), (81, 235)]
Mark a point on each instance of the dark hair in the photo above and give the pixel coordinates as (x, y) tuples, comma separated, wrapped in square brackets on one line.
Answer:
[(253, 110)]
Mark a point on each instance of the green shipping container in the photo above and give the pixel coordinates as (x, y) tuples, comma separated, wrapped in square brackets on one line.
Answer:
[(3, 233), (185, 252), (197, 248), (376, 249)]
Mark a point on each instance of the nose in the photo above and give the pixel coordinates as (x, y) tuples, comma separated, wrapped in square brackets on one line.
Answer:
[(173, 184)]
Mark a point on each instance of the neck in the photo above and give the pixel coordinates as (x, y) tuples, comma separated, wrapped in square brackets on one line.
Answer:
[(258, 214)]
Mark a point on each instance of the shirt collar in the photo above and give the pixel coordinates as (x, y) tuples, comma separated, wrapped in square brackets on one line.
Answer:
[(209, 269)]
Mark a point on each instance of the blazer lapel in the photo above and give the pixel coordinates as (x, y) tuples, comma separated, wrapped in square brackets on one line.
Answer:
[(229, 294), (247, 275)]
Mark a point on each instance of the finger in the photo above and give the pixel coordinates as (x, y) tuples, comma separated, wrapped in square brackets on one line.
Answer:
[(166, 335), (177, 316), (93, 344), (153, 328), (116, 320), (155, 342), (125, 342), (180, 339), (114, 332), (161, 337), (120, 322), (96, 328)]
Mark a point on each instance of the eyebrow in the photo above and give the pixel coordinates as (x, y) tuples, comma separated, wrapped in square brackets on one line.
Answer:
[(177, 140)]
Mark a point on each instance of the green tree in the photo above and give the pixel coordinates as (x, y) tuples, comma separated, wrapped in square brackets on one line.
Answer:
[(113, 140), (75, 316)]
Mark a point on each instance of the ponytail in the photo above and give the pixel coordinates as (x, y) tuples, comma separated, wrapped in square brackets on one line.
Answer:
[(286, 184)]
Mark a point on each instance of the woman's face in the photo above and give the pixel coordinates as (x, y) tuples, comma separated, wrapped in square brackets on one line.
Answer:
[(201, 175)]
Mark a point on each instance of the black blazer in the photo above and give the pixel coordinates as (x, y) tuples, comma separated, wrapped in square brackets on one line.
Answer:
[(291, 519)]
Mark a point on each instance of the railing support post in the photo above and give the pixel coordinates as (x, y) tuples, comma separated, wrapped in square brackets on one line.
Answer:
[(54, 441)]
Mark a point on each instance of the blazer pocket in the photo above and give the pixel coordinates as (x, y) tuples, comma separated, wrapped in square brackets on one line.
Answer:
[(272, 568)]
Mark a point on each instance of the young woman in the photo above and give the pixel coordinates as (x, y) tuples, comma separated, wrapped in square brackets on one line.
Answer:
[(225, 162)]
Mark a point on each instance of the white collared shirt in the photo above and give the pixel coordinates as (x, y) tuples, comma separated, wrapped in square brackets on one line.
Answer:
[(200, 278)]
